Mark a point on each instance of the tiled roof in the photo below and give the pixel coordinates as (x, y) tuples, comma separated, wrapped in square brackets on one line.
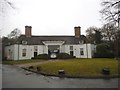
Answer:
[(37, 40)]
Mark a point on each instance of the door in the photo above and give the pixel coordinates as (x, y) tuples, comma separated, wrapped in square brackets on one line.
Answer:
[(71, 53), (35, 54)]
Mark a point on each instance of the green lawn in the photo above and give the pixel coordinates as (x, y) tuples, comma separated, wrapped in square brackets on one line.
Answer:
[(81, 67), (21, 61)]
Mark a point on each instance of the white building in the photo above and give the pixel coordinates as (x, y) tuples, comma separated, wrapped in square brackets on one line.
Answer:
[(28, 46)]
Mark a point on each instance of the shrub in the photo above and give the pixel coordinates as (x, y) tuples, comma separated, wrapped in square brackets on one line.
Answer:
[(38, 68), (30, 67), (41, 56), (103, 51), (64, 56)]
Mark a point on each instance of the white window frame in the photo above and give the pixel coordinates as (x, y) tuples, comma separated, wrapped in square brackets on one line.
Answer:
[(24, 52)]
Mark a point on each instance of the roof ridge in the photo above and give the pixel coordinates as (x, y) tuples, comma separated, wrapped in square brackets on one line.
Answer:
[(52, 35)]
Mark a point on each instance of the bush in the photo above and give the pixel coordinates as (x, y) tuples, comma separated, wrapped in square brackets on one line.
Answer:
[(64, 56), (41, 56), (103, 51), (38, 68), (30, 67)]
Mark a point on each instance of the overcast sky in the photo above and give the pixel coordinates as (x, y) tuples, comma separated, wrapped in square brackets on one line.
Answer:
[(51, 17)]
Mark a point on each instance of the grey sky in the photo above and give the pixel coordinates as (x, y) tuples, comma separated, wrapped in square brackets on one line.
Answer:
[(52, 17)]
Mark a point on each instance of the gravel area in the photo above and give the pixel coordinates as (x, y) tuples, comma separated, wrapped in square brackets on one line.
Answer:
[(34, 63)]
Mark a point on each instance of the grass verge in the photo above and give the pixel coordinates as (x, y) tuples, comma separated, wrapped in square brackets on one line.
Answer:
[(11, 62), (81, 67)]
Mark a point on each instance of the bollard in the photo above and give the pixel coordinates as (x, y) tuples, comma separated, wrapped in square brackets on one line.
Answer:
[(61, 72), (106, 71)]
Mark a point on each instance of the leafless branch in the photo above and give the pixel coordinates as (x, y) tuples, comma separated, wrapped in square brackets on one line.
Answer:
[(9, 4)]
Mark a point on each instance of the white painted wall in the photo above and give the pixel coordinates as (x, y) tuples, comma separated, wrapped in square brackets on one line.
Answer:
[(77, 51), (67, 49), (43, 49), (40, 49), (88, 50), (93, 48), (16, 51), (62, 48), (11, 48), (30, 51)]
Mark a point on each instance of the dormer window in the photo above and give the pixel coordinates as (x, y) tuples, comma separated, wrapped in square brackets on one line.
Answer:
[(81, 42), (24, 42)]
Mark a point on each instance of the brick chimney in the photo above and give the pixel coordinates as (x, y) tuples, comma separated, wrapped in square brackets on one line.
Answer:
[(77, 31), (28, 31)]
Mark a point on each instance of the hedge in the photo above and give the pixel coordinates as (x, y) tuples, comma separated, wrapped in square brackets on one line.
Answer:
[(41, 56), (64, 56)]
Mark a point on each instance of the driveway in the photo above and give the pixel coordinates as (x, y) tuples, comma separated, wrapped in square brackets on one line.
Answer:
[(34, 63), (15, 77)]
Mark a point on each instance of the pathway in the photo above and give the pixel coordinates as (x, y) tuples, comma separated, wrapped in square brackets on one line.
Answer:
[(34, 63)]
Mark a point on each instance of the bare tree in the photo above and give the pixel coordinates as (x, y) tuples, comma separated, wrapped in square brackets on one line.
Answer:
[(111, 14), (109, 32), (14, 34), (6, 3), (110, 11), (94, 35)]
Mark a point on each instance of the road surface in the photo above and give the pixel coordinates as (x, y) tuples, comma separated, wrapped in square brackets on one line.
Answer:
[(0, 76), (15, 77)]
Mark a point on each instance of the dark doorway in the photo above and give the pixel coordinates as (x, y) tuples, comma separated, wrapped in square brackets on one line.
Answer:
[(71, 53), (53, 50), (35, 54)]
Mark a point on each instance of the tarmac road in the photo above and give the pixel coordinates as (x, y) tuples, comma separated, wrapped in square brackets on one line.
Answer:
[(15, 77), (0, 76)]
